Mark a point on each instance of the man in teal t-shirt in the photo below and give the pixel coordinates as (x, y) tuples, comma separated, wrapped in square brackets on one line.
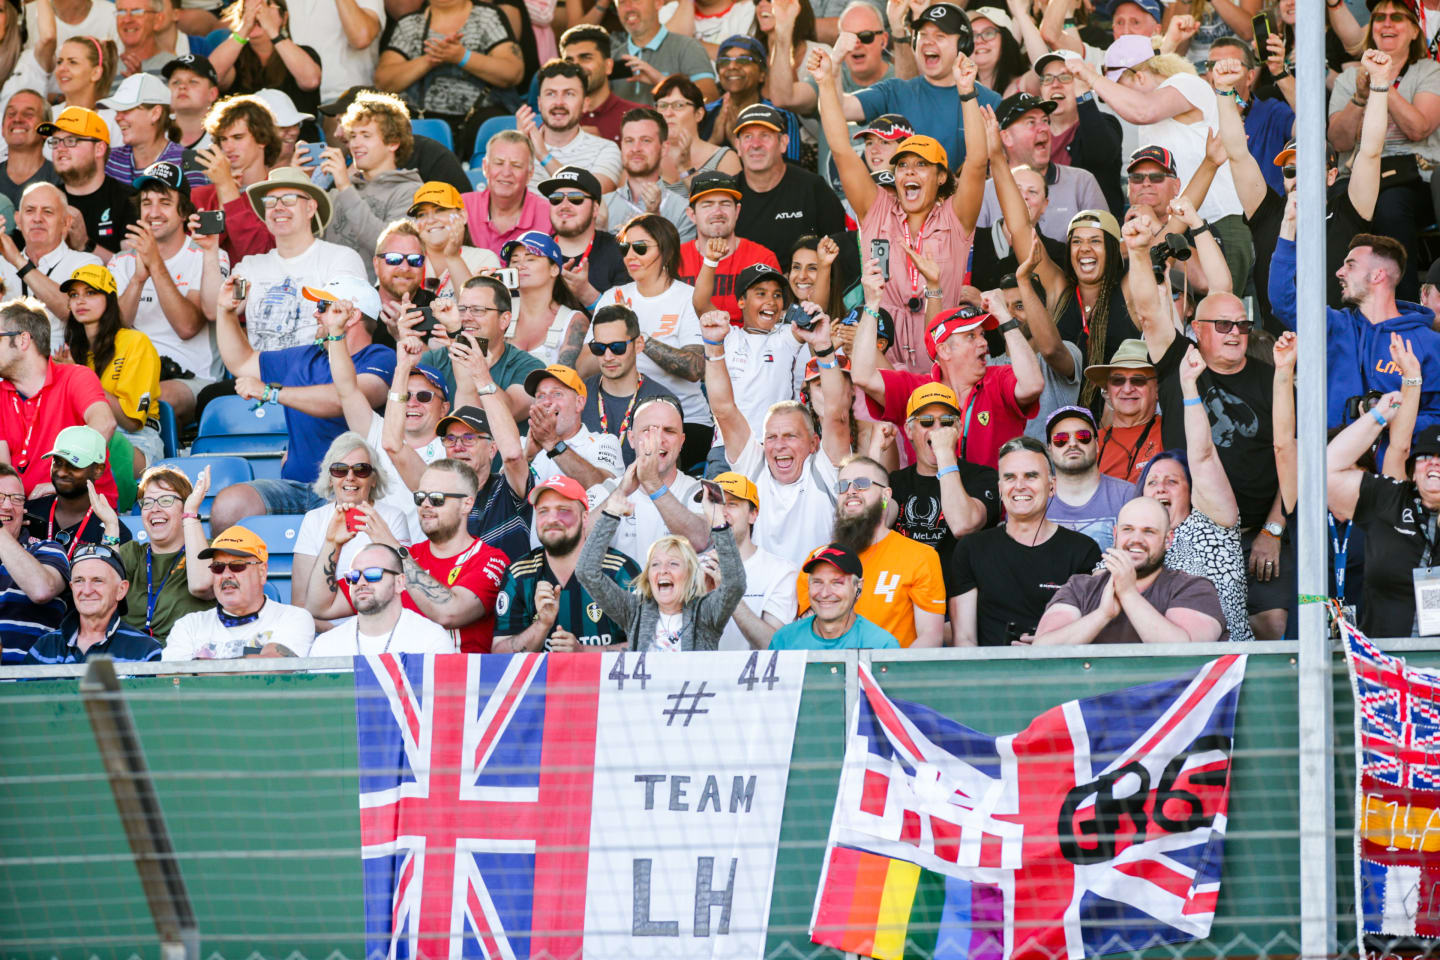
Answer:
[(836, 578)]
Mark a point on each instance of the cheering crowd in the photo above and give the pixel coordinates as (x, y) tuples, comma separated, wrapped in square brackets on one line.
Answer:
[(710, 324)]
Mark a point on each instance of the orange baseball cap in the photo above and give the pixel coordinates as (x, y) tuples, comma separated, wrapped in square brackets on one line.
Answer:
[(931, 393), (567, 487), (738, 485), (926, 148), (79, 121), (437, 192), (240, 541), (557, 371)]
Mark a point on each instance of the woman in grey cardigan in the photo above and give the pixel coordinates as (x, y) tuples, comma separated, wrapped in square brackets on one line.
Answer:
[(668, 609)]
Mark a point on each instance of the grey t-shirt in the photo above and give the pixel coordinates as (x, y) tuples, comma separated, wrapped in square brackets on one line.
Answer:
[(1070, 190), (1058, 392), (667, 52), (1096, 517)]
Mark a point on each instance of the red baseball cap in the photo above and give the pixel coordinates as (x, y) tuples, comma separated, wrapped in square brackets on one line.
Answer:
[(962, 318), (567, 487)]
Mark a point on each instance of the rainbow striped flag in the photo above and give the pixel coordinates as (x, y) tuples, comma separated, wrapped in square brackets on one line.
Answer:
[(882, 907)]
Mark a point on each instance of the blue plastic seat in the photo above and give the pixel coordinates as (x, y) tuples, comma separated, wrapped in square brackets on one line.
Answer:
[(136, 526), (477, 177), (435, 130), (279, 532), (236, 425), (265, 468), (278, 588), (487, 130), (169, 431), (224, 472)]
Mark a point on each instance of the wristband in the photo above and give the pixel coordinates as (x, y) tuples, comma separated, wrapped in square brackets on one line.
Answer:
[(465, 59), (1193, 401), (1205, 227), (108, 541), (823, 353), (1379, 417), (1411, 381), (826, 366), (1358, 102), (187, 515), (548, 157), (1379, 89), (29, 265), (946, 471), (712, 264), (871, 311), (1007, 326), (242, 40), (968, 96), (659, 493), (336, 338), (934, 294), (712, 343), (1228, 93)]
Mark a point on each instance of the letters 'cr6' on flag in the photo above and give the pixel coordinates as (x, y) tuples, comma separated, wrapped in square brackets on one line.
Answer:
[(1098, 828)]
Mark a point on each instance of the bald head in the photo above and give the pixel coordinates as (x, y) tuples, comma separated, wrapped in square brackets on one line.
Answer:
[(1220, 305), (43, 218), (1144, 512)]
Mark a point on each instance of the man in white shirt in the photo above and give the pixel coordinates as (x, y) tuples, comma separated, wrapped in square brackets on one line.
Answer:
[(557, 139), (769, 601), (663, 498), (560, 443), (295, 212), (794, 468), (244, 622), (381, 624), (169, 283), (47, 260), (346, 34), (643, 134)]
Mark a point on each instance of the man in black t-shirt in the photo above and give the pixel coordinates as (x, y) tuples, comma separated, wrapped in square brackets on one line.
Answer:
[(779, 203), (81, 143), (939, 497), (614, 394), (1238, 397), (574, 194), (1000, 579)]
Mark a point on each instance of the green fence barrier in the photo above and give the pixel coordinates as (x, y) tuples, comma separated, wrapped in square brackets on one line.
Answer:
[(257, 778)]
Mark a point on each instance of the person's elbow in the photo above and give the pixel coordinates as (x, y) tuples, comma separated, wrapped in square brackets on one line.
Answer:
[(1028, 390), (510, 70), (54, 587), (362, 34), (100, 419)]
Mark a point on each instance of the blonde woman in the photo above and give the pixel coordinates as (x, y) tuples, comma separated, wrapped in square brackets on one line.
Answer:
[(348, 477), (668, 608)]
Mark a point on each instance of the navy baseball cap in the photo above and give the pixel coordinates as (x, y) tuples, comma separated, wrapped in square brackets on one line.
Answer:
[(436, 380), (165, 173), (540, 244), (747, 43), (196, 64), (1013, 107)]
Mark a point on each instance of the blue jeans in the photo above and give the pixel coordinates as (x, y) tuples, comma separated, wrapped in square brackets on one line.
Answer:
[(287, 496)]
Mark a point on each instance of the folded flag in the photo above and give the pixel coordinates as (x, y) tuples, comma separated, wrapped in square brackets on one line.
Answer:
[(1098, 828)]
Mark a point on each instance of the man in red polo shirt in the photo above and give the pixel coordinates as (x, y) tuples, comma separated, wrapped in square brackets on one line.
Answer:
[(715, 208), (39, 398), (995, 401)]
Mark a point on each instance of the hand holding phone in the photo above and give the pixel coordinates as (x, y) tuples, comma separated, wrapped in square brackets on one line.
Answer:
[(1261, 23), (354, 520), (211, 222), (880, 250)]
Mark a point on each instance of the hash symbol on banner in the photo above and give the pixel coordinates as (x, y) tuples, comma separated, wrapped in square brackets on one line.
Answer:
[(670, 713)]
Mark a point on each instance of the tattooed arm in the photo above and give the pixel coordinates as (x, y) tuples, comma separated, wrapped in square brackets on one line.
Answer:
[(687, 362), (323, 599), (574, 341), (451, 607)]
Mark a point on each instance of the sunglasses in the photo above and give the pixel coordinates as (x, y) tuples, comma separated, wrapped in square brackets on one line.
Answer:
[(237, 566), (1081, 437), (1120, 380), (164, 501), (1288, 171), (1393, 17), (460, 440), (421, 396), (322, 305), (868, 36), (859, 483), (736, 61), (360, 470), (371, 575), (435, 497), (1225, 326), (1157, 176), (641, 247), (928, 420), (574, 199), (616, 347), (395, 259)]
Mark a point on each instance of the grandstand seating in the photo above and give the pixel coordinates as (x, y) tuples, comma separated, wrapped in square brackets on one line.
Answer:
[(487, 130), (236, 425), (169, 431), (224, 471), (279, 532), (435, 130)]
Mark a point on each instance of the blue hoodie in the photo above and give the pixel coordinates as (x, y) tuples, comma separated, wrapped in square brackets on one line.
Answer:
[(1358, 351)]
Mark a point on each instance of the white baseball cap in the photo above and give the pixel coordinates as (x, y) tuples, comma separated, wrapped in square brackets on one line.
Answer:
[(141, 88), (350, 287), (283, 107)]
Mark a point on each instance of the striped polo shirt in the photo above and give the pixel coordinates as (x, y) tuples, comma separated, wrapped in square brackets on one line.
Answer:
[(22, 621), (122, 642)]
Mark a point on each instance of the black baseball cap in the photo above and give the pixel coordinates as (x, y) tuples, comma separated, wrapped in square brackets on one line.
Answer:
[(1432, 276), (577, 178), (887, 126), (950, 19), (472, 417), (165, 173), (841, 558), (884, 322), (1155, 154), (109, 556), (763, 114), (1015, 106), (713, 181), (756, 272), (1425, 444), (341, 103), (196, 64)]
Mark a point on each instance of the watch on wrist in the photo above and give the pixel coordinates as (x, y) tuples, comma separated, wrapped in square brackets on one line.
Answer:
[(399, 397), (968, 96), (486, 390), (1205, 227), (1411, 381), (29, 265), (560, 447), (1007, 326), (1276, 530)]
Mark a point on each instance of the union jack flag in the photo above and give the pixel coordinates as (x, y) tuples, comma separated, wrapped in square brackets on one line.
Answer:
[(475, 796), (1100, 827)]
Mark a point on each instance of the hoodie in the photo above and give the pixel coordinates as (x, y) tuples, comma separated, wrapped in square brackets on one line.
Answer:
[(362, 212), (1358, 351)]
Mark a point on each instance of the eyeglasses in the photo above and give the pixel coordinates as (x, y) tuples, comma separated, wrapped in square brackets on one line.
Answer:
[(741, 60), (1120, 380), (1225, 326), (16, 498), (574, 199), (360, 470), (435, 497), (69, 143), (1393, 17), (237, 566), (868, 36), (859, 483), (10, 333), (928, 420), (988, 34), (395, 259), (641, 247), (284, 199), (664, 105), (322, 305), (1051, 79), (1156, 176), (165, 501), (465, 310), (371, 575), (1081, 437), (461, 440), (616, 347)]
